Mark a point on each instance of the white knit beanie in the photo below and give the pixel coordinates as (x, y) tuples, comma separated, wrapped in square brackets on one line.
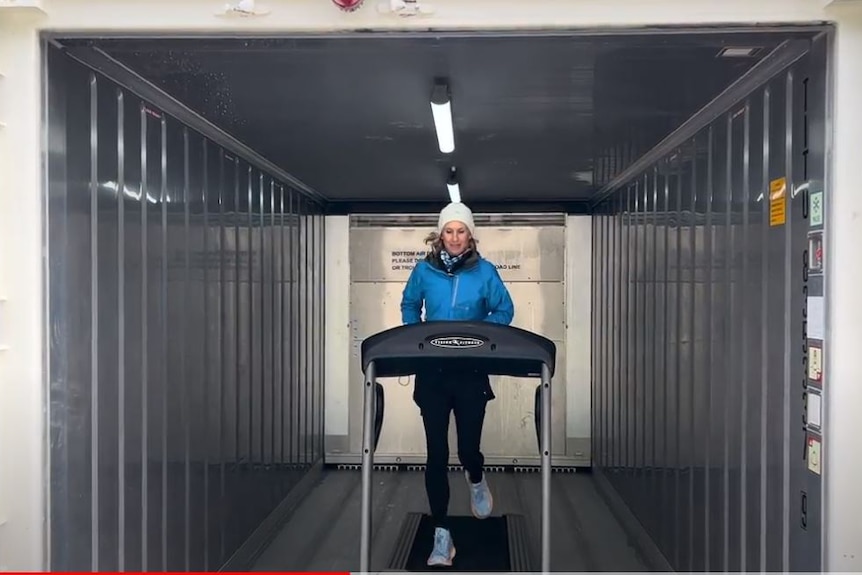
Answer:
[(455, 212)]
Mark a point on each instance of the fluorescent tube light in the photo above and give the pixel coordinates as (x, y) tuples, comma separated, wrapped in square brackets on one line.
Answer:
[(739, 52), (454, 192), (441, 109), (452, 184)]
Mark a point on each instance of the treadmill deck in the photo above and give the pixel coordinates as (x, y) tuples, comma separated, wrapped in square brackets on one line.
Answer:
[(322, 534)]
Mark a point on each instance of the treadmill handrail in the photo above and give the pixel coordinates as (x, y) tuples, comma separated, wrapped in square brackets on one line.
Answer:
[(488, 347)]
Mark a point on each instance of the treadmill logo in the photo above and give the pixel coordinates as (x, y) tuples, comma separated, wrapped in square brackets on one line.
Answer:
[(456, 342)]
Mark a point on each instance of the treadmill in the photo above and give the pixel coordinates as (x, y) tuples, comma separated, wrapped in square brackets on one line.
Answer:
[(491, 348)]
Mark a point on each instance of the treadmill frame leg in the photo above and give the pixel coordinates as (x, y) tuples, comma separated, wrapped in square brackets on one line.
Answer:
[(546, 469), (367, 465)]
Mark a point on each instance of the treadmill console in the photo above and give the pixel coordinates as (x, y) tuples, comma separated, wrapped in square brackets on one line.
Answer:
[(482, 346)]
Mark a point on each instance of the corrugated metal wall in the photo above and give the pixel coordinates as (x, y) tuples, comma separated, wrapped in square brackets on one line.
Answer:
[(185, 303), (699, 336)]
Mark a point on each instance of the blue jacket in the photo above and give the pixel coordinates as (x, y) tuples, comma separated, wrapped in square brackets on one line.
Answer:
[(473, 291)]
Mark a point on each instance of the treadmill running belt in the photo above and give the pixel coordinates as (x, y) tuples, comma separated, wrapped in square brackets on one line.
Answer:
[(492, 544)]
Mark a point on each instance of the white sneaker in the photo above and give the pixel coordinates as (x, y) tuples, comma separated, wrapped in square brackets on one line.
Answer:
[(444, 549), (481, 500)]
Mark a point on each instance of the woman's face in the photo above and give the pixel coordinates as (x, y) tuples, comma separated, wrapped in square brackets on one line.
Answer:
[(456, 238)]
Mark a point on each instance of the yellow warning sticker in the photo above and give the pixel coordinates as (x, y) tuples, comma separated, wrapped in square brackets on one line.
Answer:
[(778, 202), (814, 455)]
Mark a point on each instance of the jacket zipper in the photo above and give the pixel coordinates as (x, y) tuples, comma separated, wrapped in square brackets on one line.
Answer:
[(454, 294)]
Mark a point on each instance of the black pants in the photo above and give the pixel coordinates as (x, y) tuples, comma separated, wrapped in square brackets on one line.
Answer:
[(438, 394)]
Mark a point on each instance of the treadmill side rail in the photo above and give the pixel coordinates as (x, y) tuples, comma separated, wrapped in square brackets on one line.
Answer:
[(546, 469), (368, 411)]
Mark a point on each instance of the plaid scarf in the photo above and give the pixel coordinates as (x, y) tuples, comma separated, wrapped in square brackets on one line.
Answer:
[(449, 262)]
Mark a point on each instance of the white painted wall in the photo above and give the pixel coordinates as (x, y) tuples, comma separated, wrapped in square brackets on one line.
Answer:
[(578, 301), (22, 411), (310, 15), (842, 456), (337, 336)]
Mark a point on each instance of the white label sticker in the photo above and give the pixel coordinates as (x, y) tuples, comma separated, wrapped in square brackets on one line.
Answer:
[(815, 407), (814, 455), (815, 364), (816, 327)]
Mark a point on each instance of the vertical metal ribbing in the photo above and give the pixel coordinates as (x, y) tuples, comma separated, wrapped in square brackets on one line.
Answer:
[(262, 327), (299, 382), (655, 509), (604, 327), (710, 335), (764, 327), (145, 351), (692, 353), (250, 311), (237, 327), (788, 336), (273, 326), (667, 492), (293, 388), (222, 326), (744, 345), (625, 347), (184, 367), (643, 381), (311, 385), (319, 339), (205, 359), (163, 198), (613, 320), (631, 325), (610, 331), (594, 370), (94, 323), (121, 334), (678, 370), (602, 264), (729, 334), (309, 331), (616, 392), (599, 309), (284, 320)]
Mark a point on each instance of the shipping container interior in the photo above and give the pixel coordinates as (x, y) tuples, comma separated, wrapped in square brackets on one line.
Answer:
[(229, 217)]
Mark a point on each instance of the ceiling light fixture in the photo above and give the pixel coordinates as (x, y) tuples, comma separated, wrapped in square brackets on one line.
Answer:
[(739, 52), (441, 108), (452, 184)]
